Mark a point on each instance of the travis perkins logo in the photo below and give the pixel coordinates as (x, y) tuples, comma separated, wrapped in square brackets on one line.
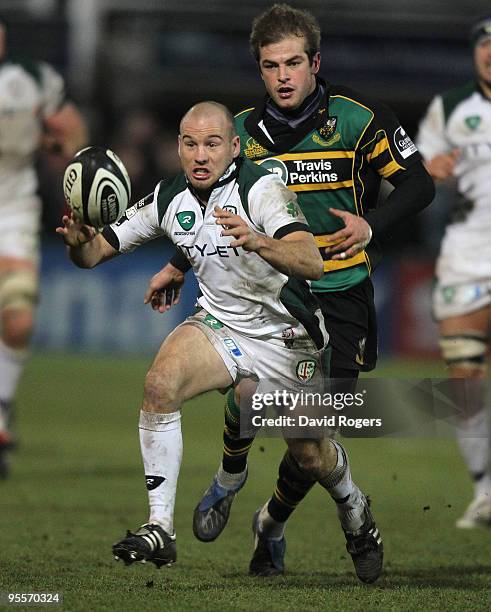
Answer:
[(302, 171)]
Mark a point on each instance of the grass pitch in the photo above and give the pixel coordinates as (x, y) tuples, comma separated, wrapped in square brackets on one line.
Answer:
[(77, 484)]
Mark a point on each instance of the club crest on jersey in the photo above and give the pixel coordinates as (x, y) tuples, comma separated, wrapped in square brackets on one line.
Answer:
[(186, 219), (326, 134), (306, 369), (276, 166), (473, 122), (231, 209), (328, 129), (253, 149)]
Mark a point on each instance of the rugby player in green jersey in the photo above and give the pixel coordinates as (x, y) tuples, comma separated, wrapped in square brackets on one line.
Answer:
[(332, 147)]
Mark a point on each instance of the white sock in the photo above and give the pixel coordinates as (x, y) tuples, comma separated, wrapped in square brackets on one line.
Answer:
[(344, 492), (161, 448), (473, 438), (483, 486), (268, 526), (11, 365), (230, 481)]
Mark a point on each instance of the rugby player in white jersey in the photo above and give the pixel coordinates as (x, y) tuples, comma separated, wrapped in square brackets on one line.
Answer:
[(251, 251), (34, 113), (455, 140)]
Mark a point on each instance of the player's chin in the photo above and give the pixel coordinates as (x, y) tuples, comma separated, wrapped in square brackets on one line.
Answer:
[(289, 103), (202, 183)]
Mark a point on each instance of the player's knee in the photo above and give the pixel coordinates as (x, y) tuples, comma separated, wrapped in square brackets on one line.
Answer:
[(465, 353), (16, 327), (309, 457), (18, 289), (161, 390)]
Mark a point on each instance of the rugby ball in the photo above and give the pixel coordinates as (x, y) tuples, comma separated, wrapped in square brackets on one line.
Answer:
[(97, 187)]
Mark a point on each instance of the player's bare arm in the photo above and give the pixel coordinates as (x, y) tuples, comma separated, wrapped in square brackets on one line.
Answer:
[(351, 239), (441, 167), (295, 254), (86, 247), (164, 288)]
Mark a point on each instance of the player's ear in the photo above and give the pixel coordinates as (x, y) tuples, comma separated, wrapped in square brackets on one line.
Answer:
[(316, 63), (179, 145), (236, 146)]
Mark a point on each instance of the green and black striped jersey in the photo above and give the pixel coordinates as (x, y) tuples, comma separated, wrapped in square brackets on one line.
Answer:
[(336, 160)]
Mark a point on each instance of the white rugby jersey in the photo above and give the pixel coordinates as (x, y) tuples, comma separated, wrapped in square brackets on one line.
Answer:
[(29, 92), (239, 288), (461, 119)]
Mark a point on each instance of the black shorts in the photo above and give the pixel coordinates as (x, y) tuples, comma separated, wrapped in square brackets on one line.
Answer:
[(352, 325)]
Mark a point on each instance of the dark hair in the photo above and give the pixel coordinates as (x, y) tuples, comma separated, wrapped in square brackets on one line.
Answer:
[(480, 30), (280, 21)]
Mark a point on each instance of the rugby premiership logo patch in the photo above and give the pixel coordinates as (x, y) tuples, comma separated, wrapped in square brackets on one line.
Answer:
[(403, 143), (306, 369), (186, 219)]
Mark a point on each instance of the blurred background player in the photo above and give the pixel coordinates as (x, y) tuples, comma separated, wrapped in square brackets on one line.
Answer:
[(455, 139), (34, 114), (332, 147)]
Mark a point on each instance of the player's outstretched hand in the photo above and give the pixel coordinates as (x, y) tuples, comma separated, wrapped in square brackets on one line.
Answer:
[(350, 240), (164, 288), (442, 167), (234, 225), (74, 232)]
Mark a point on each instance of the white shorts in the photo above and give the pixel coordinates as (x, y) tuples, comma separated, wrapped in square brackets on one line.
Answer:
[(19, 228), (267, 361), (460, 299)]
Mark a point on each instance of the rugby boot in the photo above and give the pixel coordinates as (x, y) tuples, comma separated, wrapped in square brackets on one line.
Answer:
[(149, 543)]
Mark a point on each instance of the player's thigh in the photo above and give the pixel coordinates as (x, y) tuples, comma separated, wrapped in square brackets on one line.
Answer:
[(478, 320), (19, 228), (187, 364)]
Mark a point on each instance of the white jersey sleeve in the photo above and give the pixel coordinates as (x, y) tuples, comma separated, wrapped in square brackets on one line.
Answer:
[(273, 206), (431, 139), (139, 224), (53, 90)]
